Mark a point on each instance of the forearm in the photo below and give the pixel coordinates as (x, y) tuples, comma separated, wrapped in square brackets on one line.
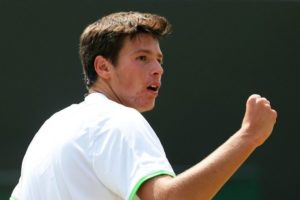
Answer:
[(206, 178)]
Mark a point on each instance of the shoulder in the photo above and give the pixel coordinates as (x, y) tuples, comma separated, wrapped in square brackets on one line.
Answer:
[(105, 114), (131, 122), (117, 113), (127, 115)]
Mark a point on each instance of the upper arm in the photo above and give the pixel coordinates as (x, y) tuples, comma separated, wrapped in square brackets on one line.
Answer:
[(138, 155), (156, 188)]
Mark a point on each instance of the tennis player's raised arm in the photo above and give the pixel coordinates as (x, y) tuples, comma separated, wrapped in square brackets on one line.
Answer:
[(205, 179)]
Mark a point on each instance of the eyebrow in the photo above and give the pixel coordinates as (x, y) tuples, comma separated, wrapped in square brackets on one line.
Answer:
[(159, 55)]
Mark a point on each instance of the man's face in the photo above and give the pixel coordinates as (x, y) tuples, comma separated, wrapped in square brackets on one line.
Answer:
[(136, 78)]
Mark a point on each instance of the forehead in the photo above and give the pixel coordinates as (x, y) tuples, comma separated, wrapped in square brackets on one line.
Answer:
[(141, 43)]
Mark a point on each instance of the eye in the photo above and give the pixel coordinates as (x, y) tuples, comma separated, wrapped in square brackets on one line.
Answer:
[(142, 58), (160, 61)]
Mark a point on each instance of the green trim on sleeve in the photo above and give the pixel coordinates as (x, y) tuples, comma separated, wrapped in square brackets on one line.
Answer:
[(143, 179), (12, 198)]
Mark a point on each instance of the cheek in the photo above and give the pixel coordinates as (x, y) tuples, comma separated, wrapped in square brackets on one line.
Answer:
[(128, 83), (126, 86), (133, 79)]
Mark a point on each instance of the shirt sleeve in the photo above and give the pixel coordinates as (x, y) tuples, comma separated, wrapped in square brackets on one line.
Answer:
[(127, 154)]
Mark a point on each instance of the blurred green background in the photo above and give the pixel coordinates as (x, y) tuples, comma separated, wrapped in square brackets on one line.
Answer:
[(220, 52)]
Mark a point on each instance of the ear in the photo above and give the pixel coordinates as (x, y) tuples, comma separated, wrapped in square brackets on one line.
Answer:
[(102, 67)]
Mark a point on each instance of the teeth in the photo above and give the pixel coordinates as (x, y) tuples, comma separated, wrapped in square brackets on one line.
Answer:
[(153, 87)]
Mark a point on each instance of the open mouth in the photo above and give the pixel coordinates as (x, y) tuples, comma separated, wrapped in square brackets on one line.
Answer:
[(153, 88)]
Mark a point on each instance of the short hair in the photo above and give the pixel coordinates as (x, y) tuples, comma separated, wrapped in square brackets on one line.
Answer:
[(106, 36)]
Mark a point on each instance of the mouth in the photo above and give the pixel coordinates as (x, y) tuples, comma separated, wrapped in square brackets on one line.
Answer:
[(153, 88)]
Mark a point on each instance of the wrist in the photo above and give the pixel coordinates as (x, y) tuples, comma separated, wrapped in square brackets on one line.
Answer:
[(247, 137)]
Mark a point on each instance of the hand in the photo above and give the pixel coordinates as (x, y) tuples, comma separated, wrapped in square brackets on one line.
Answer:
[(259, 119)]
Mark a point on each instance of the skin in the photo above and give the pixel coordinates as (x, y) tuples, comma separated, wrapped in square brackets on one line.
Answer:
[(138, 67), (206, 178)]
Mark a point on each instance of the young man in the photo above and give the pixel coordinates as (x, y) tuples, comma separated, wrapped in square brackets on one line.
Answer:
[(103, 148)]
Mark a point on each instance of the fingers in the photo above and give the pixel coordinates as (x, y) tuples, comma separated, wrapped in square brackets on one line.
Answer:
[(263, 102), (252, 99), (259, 118), (256, 101)]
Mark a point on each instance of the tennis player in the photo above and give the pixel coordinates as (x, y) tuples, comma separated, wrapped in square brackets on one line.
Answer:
[(103, 148)]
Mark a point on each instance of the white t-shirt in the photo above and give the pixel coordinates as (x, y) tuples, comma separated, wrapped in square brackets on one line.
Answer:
[(94, 150)]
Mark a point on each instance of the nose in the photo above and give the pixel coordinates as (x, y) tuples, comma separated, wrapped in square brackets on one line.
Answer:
[(157, 69)]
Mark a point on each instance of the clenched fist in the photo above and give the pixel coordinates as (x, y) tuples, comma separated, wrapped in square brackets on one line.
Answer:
[(259, 119)]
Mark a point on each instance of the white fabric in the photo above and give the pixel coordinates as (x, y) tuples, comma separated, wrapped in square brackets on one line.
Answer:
[(94, 150)]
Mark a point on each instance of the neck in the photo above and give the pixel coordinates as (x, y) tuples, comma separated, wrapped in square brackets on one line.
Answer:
[(105, 89)]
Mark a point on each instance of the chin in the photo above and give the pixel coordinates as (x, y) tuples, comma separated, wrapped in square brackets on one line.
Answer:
[(146, 108)]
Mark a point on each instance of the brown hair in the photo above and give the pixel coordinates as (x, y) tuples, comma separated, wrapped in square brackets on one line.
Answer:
[(106, 37)]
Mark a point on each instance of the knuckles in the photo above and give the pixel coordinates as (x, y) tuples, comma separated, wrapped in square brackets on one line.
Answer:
[(261, 106), (257, 100), (259, 118)]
